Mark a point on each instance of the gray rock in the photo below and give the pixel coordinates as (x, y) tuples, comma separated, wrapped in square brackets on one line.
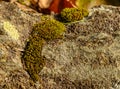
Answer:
[(88, 57), (15, 26)]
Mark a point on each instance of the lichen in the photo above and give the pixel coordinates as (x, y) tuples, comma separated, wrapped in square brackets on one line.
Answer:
[(73, 14), (10, 30), (46, 30)]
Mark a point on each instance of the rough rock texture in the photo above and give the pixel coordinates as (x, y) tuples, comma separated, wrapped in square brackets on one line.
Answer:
[(87, 58), (89, 55), (15, 26)]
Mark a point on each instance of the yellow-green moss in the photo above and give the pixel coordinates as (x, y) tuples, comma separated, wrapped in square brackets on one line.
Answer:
[(32, 57), (73, 14), (44, 31), (49, 29)]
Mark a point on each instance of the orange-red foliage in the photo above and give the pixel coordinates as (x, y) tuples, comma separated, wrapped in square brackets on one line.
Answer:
[(57, 5)]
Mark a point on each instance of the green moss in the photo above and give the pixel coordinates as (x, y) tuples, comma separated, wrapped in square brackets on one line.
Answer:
[(32, 57), (49, 29), (73, 14), (44, 31)]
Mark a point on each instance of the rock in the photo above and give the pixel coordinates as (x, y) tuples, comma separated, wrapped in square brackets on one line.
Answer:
[(88, 57), (15, 26)]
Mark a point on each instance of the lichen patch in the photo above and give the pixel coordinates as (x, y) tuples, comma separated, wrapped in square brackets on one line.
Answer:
[(10, 30)]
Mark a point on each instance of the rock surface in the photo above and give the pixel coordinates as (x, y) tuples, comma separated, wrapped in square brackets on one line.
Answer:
[(15, 26), (87, 58), (89, 55)]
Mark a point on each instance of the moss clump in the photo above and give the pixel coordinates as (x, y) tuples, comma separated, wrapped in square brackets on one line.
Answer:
[(49, 29), (32, 57), (73, 14), (44, 31)]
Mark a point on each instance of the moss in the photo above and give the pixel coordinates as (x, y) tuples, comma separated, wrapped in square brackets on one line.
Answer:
[(32, 57), (49, 29), (73, 14), (44, 31)]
